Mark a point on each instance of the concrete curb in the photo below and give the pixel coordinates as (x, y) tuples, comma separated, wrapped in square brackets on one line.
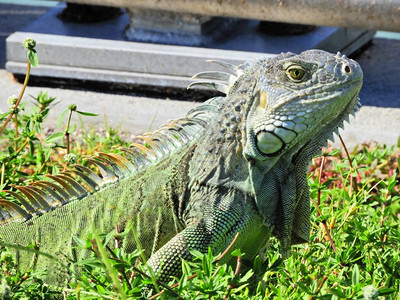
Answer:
[(117, 61)]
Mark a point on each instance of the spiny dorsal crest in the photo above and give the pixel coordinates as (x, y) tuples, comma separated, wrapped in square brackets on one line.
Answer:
[(218, 80), (40, 197)]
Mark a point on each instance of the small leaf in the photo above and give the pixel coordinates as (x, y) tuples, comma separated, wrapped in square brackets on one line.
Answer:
[(246, 276), (196, 253), (44, 113), (237, 253), (86, 114), (398, 162), (55, 170), (81, 243), (71, 130), (186, 270), (304, 288), (47, 154), (386, 291), (303, 269), (355, 276), (33, 57), (276, 264), (322, 218), (337, 293), (2, 116), (182, 282), (90, 262), (54, 137), (257, 264), (61, 117)]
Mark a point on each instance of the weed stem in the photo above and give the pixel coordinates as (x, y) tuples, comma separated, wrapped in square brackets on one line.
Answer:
[(321, 169), (67, 131), (16, 130), (22, 146), (228, 248), (354, 183), (319, 213), (3, 171), (28, 70)]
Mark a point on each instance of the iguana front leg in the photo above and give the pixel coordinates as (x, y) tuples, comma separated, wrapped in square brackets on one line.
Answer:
[(168, 257), (216, 231)]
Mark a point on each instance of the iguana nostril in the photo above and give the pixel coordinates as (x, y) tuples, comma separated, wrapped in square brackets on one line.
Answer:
[(347, 69)]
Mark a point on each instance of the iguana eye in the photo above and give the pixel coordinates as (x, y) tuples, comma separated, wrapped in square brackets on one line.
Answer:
[(296, 73)]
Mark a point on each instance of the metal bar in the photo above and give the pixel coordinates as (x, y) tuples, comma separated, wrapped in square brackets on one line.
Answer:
[(367, 14)]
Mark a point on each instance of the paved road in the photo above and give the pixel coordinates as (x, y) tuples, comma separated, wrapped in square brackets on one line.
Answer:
[(378, 120)]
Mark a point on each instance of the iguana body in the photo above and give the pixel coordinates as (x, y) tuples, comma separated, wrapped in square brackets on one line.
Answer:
[(235, 164)]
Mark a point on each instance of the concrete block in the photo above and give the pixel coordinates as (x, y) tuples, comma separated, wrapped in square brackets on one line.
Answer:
[(166, 27), (153, 19)]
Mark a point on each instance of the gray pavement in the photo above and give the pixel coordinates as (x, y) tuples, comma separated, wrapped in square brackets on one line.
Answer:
[(378, 120)]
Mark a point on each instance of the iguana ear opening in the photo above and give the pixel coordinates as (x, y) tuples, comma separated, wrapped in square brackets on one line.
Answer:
[(263, 100)]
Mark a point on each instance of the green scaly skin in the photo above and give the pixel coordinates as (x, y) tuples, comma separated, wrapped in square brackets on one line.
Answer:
[(240, 169)]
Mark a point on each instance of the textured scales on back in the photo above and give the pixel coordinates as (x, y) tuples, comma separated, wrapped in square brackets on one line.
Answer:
[(74, 184), (234, 164)]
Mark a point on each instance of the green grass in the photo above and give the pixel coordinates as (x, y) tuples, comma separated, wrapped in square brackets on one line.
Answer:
[(359, 260), (353, 252), (353, 249)]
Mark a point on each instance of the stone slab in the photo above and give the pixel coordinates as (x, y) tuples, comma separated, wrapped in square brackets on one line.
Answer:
[(117, 61)]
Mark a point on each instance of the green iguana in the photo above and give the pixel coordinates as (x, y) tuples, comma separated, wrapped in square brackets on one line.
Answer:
[(235, 164)]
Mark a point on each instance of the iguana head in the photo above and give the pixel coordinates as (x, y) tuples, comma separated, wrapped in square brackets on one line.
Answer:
[(298, 98), (276, 108)]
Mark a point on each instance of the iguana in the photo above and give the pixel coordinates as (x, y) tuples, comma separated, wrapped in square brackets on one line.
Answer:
[(235, 164)]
